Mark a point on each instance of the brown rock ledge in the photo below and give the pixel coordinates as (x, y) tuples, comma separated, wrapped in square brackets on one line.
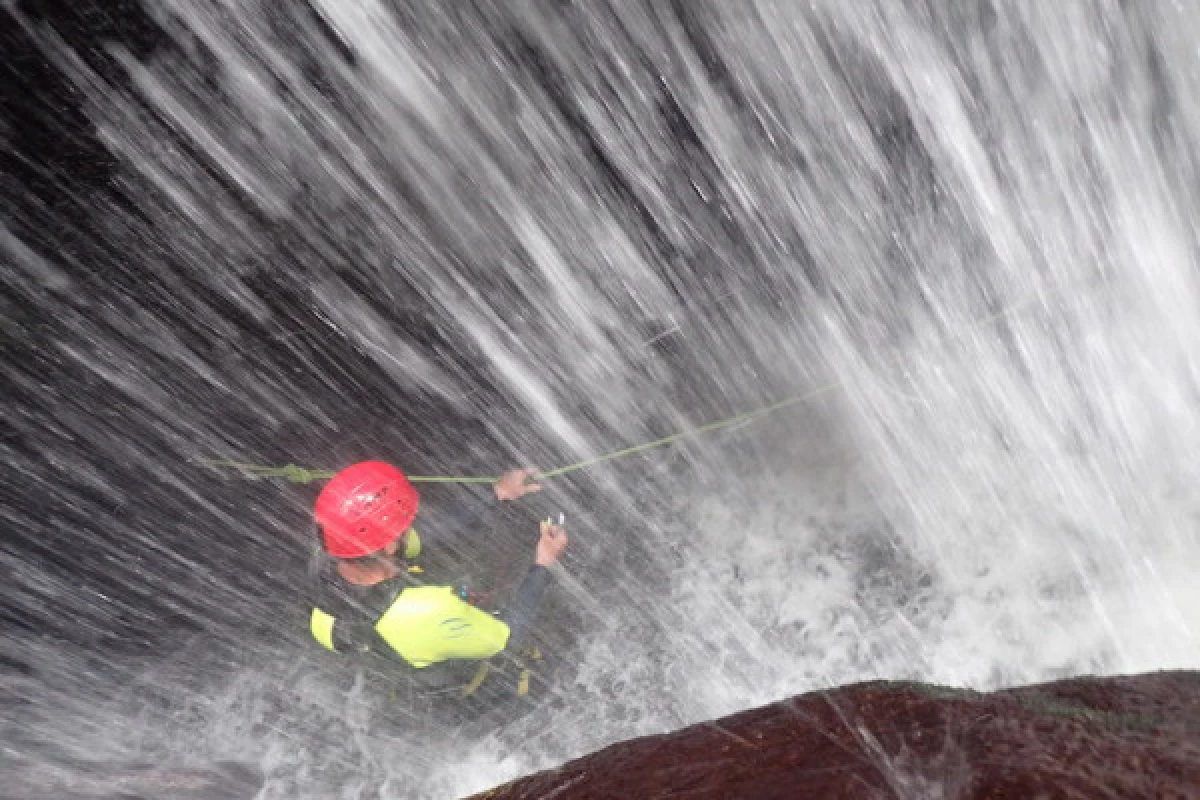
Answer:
[(1088, 738)]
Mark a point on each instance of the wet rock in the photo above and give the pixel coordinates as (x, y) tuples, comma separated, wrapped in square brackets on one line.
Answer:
[(1086, 738)]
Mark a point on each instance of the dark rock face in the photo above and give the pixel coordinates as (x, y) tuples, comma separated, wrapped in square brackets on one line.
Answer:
[(1086, 738)]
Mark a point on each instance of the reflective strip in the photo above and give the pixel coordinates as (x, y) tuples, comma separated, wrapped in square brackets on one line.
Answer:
[(412, 544), (321, 626), (477, 681)]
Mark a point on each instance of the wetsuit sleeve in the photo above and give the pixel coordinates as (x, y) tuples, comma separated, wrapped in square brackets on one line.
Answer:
[(352, 637), (521, 613), (343, 617), (468, 511)]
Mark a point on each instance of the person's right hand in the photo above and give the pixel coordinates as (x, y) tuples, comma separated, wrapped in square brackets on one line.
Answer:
[(552, 544), (516, 483)]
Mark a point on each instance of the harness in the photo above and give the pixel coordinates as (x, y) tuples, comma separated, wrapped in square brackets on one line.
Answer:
[(426, 625)]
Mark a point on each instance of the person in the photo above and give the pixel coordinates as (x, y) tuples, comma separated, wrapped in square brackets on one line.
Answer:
[(371, 596)]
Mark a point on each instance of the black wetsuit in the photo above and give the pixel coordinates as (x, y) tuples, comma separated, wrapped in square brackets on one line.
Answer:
[(455, 534), (357, 608)]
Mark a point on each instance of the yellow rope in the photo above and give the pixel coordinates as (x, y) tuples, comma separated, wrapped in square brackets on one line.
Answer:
[(297, 474)]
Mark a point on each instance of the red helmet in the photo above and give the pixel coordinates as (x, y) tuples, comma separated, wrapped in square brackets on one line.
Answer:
[(364, 508)]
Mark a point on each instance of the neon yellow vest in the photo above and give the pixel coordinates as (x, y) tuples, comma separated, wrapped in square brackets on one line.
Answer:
[(428, 624)]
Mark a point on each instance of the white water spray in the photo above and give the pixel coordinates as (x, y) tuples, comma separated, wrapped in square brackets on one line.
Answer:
[(980, 225)]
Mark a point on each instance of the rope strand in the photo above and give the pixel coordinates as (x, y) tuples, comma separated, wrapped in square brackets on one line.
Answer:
[(297, 474), (302, 475)]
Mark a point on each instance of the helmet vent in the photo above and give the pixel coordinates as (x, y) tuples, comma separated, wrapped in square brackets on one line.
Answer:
[(364, 507)]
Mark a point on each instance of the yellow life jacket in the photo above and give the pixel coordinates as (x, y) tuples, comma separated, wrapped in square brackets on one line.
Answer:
[(428, 624)]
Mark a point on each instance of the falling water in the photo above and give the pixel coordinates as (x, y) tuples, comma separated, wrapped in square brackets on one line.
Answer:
[(468, 236)]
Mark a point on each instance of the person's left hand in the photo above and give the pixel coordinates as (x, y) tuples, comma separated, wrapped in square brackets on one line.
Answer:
[(515, 483)]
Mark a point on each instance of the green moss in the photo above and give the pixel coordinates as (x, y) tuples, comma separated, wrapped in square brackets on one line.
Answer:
[(931, 690), (1052, 706), (1041, 702)]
